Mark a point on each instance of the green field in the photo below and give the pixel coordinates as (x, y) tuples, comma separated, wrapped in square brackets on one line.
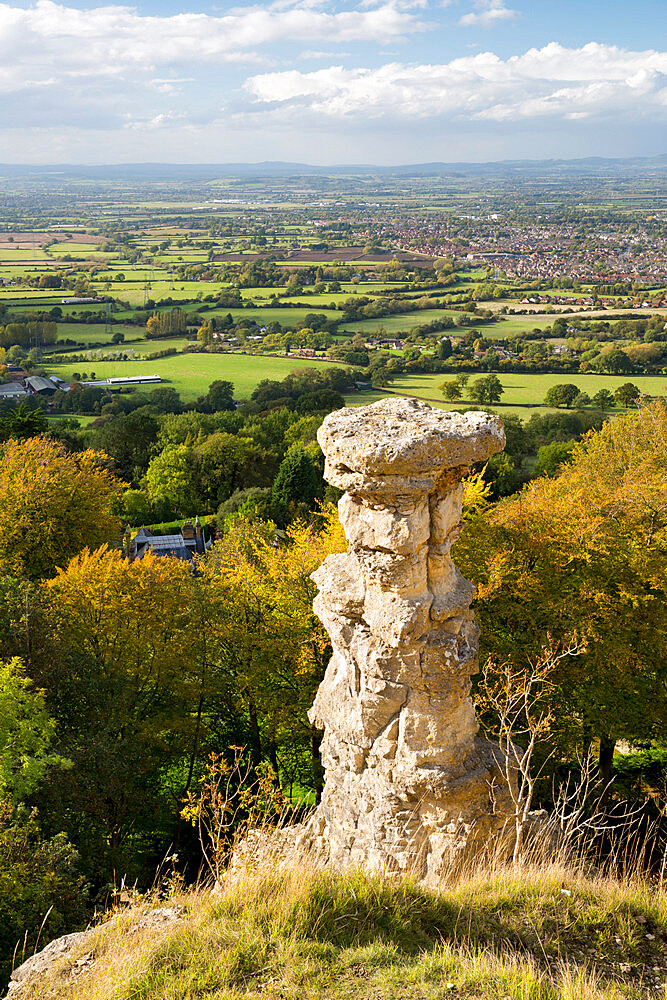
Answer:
[(11, 256), (191, 374), (397, 324), (289, 318), (79, 249), (93, 333), (525, 391)]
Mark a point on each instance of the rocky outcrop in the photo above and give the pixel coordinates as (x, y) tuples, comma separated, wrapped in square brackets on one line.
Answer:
[(70, 957), (408, 781)]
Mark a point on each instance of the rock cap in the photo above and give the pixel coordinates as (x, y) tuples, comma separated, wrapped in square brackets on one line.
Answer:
[(406, 439)]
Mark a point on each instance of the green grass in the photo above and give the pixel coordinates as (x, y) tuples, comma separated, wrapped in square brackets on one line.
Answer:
[(288, 318), (191, 374), (87, 333), (10, 256), (132, 289), (523, 390), (365, 398), (80, 418), (311, 935), (26, 294), (80, 249), (399, 324)]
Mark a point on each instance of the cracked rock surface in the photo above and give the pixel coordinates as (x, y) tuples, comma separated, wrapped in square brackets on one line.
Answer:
[(408, 781)]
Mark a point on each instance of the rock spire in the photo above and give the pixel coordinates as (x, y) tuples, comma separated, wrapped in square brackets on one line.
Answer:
[(408, 781)]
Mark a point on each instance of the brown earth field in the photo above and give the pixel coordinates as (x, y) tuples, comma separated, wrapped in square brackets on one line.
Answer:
[(29, 241)]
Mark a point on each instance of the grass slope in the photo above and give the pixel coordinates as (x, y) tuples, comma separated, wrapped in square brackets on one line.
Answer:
[(526, 934)]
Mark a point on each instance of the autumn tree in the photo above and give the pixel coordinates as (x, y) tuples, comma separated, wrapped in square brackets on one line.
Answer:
[(52, 505), (586, 552), (166, 324), (127, 681), (270, 644)]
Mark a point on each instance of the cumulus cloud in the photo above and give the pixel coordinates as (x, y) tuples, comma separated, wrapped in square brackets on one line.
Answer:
[(486, 14), (50, 42), (592, 81)]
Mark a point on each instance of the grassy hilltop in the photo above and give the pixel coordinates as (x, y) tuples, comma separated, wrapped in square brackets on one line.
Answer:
[(548, 933)]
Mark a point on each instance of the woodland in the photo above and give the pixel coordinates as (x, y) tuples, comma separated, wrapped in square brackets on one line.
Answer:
[(120, 679)]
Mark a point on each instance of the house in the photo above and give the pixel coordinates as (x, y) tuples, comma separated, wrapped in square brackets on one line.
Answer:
[(186, 544)]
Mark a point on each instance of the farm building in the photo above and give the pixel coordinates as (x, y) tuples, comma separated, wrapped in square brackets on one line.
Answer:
[(40, 386), (81, 300), (12, 390), (120, 380)]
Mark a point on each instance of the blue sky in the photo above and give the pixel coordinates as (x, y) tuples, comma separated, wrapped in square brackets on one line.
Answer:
[(377, 81)]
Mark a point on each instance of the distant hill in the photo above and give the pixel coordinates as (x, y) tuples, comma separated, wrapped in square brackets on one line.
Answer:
[(593, 165)]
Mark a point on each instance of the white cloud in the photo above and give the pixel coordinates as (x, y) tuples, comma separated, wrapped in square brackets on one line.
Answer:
[(50, 41), (486, 14), (166, 120), (596, 80)]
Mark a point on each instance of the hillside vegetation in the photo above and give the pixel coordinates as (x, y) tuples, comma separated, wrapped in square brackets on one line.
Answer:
[(124, 681), (532, 933)]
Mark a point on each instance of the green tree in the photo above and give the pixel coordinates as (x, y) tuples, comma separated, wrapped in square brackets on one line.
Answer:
[(26, 732), (297, 484), (170, 479), (603, 399), (613, 359), (444, 349), (136, 508), (563, 394), (551, 456), (627, 394), (165, 399), (22, 422), (220, 396), (486, 390), (451, 390), (224, 463), (39, 876), (129, 439)]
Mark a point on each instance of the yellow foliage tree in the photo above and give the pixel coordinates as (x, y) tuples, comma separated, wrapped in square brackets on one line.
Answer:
[(52, 505), (137, 650), (268, 637), (586, 553)]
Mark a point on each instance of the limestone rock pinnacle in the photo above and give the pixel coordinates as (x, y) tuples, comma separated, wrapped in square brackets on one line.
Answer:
[(407, 779)]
